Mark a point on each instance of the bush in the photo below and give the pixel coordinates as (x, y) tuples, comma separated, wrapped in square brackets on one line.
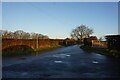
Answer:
[(17, 50)]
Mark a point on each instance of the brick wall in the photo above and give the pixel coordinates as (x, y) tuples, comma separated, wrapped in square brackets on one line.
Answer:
[(33, 43)]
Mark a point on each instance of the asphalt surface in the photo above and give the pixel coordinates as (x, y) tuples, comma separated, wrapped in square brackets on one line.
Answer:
[(67, 62)]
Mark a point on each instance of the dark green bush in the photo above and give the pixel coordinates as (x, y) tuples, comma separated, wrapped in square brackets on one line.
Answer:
[(17, 50)]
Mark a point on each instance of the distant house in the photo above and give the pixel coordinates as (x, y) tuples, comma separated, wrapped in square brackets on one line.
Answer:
[(113, 41), (88, 41), (94, 42)]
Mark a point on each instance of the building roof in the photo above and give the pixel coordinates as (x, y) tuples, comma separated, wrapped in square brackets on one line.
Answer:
[(112, 36)]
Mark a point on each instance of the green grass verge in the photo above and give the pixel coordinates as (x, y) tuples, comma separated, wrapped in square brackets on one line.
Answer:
[(47, 48), (103, 51), (25, 50)]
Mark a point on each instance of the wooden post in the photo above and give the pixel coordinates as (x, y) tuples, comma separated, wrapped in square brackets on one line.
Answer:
[(92, 43), (66, 42), (37, 43)]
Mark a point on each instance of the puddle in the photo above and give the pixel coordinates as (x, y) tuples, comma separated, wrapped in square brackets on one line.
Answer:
[(58, 61), (22, 58), (61, 55), (46, 75), (55, 56), (95, 62), (24, 73), (68, 55), (89, 74)]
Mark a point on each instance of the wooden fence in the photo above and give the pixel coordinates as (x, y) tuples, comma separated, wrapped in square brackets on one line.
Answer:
[(99, 44)]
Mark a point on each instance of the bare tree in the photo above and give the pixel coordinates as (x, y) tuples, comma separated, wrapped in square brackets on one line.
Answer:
[(45, 37), (81, 32), (101, 39), (4, 34), (26, 35), (88, 31), (20, 34), (1, 33), (40, 36), (10, 35), (34, 35), (74, 34)]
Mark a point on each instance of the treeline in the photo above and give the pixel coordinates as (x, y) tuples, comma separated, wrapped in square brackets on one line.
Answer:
[(20, 34)]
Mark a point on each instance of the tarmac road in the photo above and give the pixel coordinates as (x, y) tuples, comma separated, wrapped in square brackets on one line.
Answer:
[(67, 62)]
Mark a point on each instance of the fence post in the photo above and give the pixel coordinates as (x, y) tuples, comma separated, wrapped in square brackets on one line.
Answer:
[(37, 42), (100, 44), (92, 43)]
